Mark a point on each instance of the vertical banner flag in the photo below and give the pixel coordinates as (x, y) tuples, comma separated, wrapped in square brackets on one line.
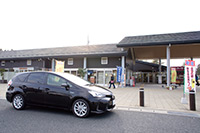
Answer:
[(173, 75), (119, 73), (122, 75), (189, 80), (59, 66)]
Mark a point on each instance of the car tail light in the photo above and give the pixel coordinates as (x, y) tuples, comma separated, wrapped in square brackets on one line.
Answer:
[(10, 83)]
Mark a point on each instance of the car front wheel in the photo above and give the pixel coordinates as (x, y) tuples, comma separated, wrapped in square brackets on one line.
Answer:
[(81, 108), (18, 102)]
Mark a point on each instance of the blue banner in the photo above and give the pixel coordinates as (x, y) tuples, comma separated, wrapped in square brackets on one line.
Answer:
[(119, 73)]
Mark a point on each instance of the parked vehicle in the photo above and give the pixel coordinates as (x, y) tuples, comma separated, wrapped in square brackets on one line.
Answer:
[(60, 90)]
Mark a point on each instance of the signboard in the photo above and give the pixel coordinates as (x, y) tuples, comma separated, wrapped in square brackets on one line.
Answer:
[(119, 73), (173, 75), (189, 80), (60, 66)]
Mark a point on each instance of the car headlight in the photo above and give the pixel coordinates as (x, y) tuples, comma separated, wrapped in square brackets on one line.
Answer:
[(96, 94)]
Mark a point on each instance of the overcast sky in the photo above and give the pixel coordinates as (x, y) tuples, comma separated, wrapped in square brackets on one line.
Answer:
[(28, 24)]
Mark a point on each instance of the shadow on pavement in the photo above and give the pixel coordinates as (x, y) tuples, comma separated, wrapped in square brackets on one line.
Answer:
[(38, 109)]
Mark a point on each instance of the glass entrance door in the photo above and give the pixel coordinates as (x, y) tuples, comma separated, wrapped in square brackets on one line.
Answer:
[(108, 75), (99, 77)]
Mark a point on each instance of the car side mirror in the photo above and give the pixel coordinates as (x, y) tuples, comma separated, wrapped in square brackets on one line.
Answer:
[(67, 86)]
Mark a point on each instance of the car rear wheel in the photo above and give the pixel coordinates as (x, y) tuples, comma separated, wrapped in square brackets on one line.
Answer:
[(18, 102), (81, 108)]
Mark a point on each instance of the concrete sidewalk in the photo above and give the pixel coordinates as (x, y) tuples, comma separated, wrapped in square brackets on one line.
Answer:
[(156, 98)]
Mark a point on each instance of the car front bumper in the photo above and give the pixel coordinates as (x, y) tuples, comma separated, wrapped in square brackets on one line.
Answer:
[(102, 105)]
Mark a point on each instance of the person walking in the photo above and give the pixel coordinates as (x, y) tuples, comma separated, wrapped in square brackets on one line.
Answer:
[(112, 82), (197, 79)]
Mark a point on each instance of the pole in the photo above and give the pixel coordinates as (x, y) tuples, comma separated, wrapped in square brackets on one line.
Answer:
[(168, 65), (142, 97), (192, 100)]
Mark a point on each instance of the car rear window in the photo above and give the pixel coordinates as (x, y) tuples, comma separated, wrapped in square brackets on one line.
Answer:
[(21, 77), (36, 78)]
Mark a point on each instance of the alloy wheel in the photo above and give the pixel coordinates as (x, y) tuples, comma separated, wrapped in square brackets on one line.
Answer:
[(81, 108), (18, 102)]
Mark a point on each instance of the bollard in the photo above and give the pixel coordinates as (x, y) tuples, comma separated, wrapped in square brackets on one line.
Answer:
[(142, 97), (192, 100)]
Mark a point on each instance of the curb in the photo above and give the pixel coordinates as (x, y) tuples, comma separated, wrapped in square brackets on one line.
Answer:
[(178, 113)]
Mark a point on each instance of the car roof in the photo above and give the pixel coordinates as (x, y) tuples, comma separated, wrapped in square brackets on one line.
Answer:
[(57, 73)]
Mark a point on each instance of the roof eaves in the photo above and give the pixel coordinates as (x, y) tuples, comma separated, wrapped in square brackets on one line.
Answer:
[(63, 55), (158, 43)]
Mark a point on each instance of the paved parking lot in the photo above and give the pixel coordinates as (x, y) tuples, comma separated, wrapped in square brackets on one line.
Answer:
[(3, 88), (156, 98)]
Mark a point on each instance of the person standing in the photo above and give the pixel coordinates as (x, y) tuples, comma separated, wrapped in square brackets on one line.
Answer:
[(112, 81)]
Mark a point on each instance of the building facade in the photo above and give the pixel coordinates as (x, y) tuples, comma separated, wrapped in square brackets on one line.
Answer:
[(99, 62)]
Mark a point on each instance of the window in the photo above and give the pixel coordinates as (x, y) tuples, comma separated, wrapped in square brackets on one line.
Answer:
[(55, 80), (29, 62), (36, 78), (70, 61), (3, 63), (104, 60), (22, 77)]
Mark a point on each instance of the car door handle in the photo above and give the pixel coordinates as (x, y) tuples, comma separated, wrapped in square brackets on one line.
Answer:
[(47, 89), (24, 86)]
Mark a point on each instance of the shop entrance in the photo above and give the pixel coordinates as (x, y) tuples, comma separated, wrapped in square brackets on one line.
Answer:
[(101, 76)]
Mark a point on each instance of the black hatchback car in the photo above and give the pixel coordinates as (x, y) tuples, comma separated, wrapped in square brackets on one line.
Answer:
[(60, 90)]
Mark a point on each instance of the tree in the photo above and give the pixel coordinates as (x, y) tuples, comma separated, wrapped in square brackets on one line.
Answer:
[(156, 61), (2, 74), (81, 72)]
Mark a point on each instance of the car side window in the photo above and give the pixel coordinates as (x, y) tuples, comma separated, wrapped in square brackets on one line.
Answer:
[(55, 80), (36, 78)]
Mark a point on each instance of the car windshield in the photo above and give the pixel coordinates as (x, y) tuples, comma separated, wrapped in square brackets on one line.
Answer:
[(75, 79)]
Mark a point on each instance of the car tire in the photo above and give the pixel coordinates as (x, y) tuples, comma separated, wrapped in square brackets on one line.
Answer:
[(81, 108), (18, 102)]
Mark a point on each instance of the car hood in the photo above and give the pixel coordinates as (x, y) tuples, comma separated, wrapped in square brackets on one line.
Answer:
[(99, 89)]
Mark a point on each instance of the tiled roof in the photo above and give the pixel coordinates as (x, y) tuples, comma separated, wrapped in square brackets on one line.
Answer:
[(86, 50), (161, 39)]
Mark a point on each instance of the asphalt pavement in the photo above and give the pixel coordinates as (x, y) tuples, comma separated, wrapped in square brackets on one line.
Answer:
[(40, 120)]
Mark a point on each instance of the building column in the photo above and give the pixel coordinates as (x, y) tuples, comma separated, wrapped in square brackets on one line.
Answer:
[(142, 77), (168, 65), (85, 67), (160, 70), (43, 65), (128, 77), (104, 77), (154, 77), (148, 78), (53, 65), (123, 69)]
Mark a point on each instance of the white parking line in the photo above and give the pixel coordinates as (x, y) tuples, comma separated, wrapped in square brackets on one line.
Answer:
[(141, 110), (122, 108), (133, 109), (161, 111), (147, 110)]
